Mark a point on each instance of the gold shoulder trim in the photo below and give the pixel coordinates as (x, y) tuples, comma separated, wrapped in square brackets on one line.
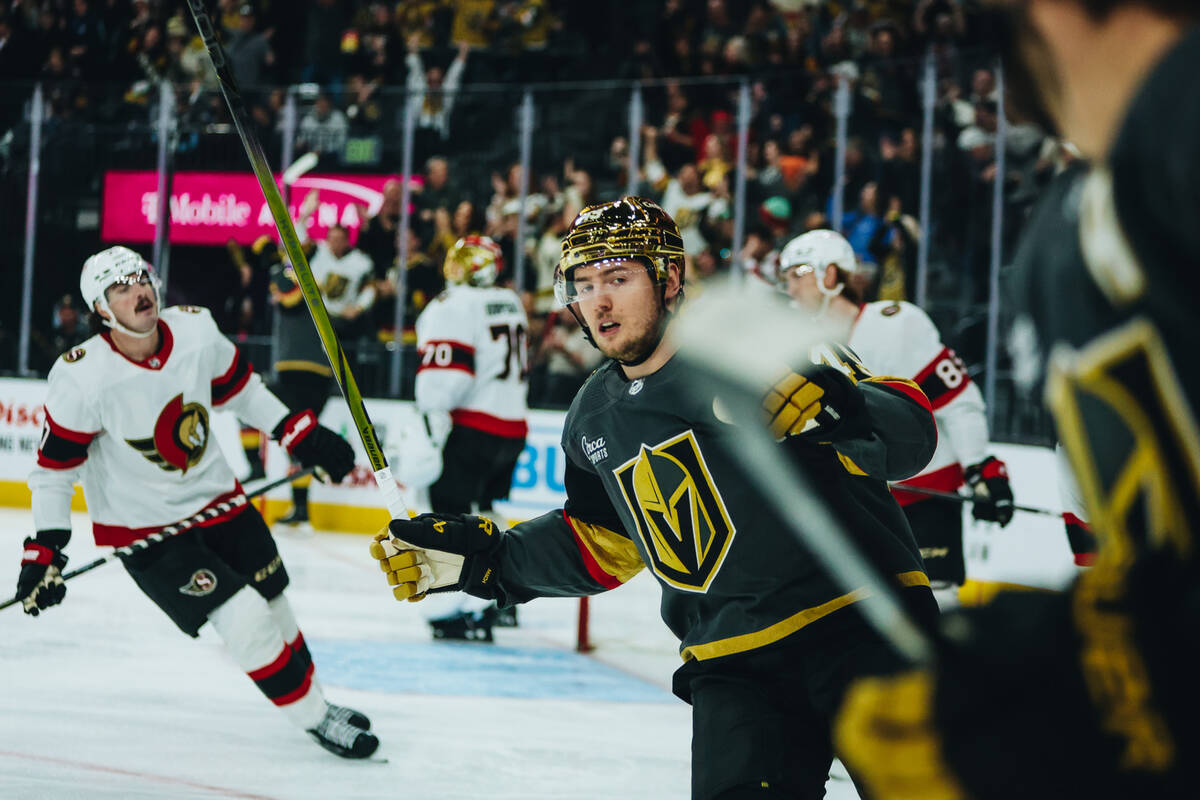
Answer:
[(615, 554)]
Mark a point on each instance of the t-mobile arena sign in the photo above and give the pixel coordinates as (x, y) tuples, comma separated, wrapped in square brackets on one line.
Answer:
[(214, 207)]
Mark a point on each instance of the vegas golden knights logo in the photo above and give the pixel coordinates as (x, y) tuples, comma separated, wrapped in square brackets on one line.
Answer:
[(336, 285), (1135, 449), (680, 515), (180, 436)]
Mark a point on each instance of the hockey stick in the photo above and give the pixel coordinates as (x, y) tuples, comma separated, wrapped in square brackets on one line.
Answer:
[(770, 337), (291, 244), (299, 167), (177, 528), (966, 498)]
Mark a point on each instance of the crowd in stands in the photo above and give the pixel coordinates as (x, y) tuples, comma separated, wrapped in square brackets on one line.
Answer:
[(465, 62)]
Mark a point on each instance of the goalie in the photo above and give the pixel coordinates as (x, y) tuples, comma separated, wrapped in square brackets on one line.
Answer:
[(472, 385)]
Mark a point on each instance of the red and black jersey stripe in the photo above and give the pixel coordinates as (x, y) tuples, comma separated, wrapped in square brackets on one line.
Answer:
[(944, 378), (62, 448), (234, 379), (445, 354)]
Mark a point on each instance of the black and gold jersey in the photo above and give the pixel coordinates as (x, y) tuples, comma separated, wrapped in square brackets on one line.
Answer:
[(650, 484)]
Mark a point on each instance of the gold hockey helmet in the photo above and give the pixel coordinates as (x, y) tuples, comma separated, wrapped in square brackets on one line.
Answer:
[(632, 228), (473, 260)]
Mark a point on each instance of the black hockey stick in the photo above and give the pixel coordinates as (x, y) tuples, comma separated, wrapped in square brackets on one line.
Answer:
[(177, 528), (966, 498)]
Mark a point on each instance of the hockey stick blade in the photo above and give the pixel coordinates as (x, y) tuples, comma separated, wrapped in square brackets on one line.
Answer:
[(770, 335), (301, 166), (173, 530)]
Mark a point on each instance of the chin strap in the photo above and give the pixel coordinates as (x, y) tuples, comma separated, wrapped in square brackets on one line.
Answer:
[(827, 295), (111, 319), (112, 323)]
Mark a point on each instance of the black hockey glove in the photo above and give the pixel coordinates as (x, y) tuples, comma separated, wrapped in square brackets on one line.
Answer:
[(314, 445), (993, 497), (40, 584), (475, 539), (822, 395)]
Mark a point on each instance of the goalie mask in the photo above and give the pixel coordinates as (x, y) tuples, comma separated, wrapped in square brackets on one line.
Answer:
[(814, 252), (629, 229), (109, 268), (473, 260)]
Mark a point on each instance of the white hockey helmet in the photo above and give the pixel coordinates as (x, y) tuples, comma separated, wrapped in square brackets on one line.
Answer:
[(818, 249), (814, 252), (108, 267)]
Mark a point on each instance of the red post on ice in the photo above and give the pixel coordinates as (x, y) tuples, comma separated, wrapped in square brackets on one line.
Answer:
[(582, 643)]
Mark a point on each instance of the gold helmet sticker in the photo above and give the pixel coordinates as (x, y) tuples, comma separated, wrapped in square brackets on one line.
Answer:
[(681, 518)]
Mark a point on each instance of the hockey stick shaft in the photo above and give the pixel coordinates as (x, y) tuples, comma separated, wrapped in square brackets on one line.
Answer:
[(291, 244), (966, 498), (176, 529), (740, 368)]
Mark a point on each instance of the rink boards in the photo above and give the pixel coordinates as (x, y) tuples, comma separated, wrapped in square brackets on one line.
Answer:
[(1032, 550)]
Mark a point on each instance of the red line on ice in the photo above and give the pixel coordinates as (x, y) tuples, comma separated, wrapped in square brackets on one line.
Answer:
[(133, 774)]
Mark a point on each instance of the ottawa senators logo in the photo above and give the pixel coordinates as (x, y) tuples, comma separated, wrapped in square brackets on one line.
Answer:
[(180, 436), (74, 355), (680, 515), (202, 582)]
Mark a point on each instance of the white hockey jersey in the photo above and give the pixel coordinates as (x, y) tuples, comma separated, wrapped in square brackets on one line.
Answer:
[(898, 338), (137, 434), (344, 281), (473, 345)]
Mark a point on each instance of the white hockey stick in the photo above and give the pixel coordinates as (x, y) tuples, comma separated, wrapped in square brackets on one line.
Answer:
[(772, 336), (301, 166)]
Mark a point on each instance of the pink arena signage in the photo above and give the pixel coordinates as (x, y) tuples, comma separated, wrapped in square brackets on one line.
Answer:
[(214, 207)]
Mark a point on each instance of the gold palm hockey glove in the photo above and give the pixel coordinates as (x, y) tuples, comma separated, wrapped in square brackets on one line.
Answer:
[(458, 550), (407, 571), (418, 557), (885, 734), (816, 402)]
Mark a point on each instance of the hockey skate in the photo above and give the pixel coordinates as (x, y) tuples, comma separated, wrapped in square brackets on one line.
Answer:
[(468, 626), (355, 718), (297, 516), (506, 617), (342, 738)]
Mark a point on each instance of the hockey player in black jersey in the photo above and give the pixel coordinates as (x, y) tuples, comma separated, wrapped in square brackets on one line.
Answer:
[(1093, 692), (768, 641)]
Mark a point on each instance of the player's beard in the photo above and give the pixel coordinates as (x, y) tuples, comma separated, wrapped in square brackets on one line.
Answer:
[(640, 347)]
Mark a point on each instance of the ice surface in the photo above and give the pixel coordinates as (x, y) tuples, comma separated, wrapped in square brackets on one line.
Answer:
[(102, 697)]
